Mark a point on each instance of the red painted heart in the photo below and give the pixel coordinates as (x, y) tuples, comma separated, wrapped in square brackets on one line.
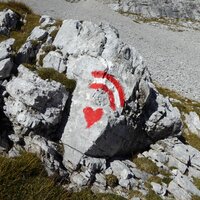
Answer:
[(92, 116)]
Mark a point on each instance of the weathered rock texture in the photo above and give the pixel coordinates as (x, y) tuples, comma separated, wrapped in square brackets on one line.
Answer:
[(180, 9), (115, 107), (6, 61), (33, 104), (9, 20)]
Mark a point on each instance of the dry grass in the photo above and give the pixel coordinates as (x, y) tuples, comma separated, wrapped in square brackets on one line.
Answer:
[(146, 165), (24, 31), (24, 177)]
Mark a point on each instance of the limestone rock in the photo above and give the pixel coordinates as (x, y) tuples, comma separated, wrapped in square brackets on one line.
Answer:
[(8, 21), (186, 184), (6, 67), (158, 9), (47, 151), (38, 34), (115, 107), (79, 179), (54, 60), (178, 192), (46, 20), (27, 53), (159, 189), (193, 122), (34, 104), (5, 48)]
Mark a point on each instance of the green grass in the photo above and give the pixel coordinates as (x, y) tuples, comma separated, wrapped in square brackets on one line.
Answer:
[(146, 165), (32, 20), (152, 196), (52, 74), (24, 177)]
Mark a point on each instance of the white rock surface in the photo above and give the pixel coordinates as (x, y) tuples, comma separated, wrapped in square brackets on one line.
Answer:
[(131, 104), (34, 103), (193, 122), (46, 20), (38, 34), (54, 60), (5, 48)]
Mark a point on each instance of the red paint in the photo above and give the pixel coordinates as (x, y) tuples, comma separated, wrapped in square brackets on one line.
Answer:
[(92, 116), (112, 79), (107, 90)]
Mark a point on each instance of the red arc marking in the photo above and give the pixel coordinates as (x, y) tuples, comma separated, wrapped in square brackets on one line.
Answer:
[(111, 78), (92, 116)]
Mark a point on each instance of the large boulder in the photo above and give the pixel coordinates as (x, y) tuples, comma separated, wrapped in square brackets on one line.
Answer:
[(33, 104), (115, 107)]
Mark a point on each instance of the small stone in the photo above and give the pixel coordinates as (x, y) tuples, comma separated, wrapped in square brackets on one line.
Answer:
[(79, 179), (46, 20), (54, 60), (38, 34), (159, 189)]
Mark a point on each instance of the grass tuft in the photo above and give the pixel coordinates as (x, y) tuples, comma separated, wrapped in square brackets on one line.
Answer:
[(197, 182), (24, 177), (152, 196), (135, 193), (111, 180), (52, 74), (146, 165)]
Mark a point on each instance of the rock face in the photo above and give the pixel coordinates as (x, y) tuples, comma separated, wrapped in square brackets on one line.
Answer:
[(6, 63), (9, 20), (115, 107), (33, 104), (161, 8)]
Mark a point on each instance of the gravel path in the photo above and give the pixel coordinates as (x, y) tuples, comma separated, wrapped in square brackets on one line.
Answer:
[(173, 58)]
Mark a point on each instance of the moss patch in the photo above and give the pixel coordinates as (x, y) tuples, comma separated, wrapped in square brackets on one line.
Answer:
[(52, 74), (135, 193), (32, 21), (193, 140), (111, 180), (31, 67), (152, 196), (146, 165), (197, 182)]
